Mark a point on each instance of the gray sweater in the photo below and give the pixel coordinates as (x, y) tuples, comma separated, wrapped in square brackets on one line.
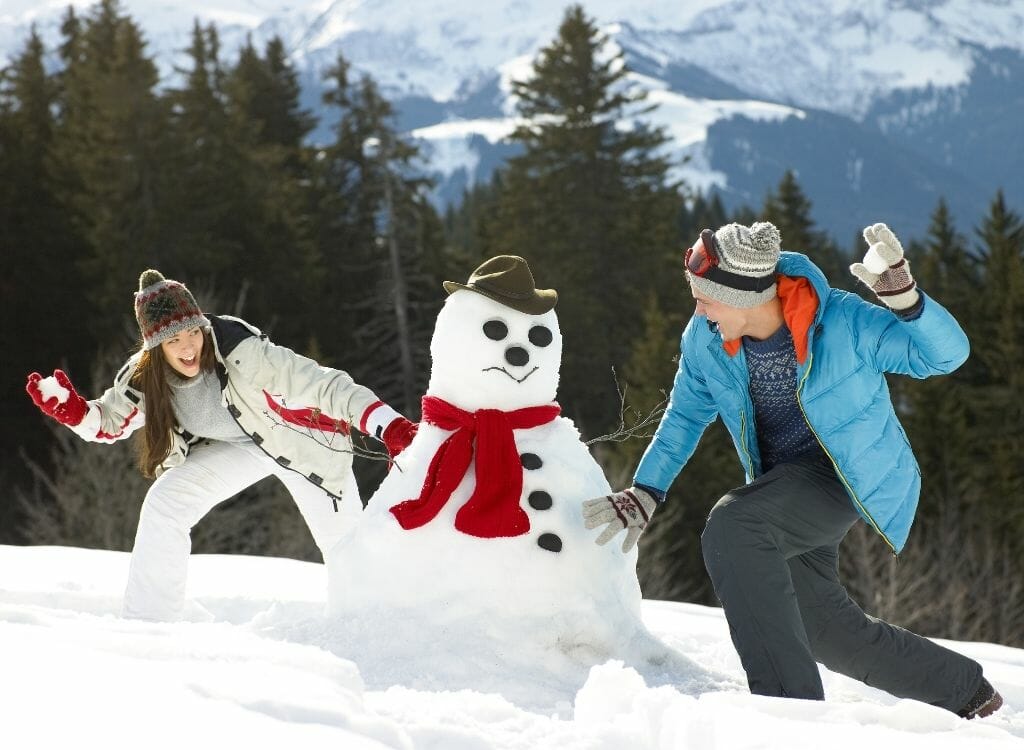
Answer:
[(198, 408), (782, 431)]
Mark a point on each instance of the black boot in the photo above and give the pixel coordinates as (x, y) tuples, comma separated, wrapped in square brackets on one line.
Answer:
[(986, 701)]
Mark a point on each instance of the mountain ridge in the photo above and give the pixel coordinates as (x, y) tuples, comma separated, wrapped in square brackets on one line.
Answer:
[(898, 71)]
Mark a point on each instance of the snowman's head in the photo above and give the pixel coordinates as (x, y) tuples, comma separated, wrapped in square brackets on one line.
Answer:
[(488, 356)]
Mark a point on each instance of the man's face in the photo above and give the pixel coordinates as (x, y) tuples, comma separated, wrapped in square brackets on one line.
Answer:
[(731, 321)]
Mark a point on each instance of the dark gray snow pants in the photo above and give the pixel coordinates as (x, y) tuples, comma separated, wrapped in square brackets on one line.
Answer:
[(772, 551)]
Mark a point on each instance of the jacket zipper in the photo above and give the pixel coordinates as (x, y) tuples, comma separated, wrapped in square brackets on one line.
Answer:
[(749, 466), (232, 409), (839, 472), (743, 444)]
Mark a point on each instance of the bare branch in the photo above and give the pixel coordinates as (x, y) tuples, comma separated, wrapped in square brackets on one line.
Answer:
[(326, 439), (640, 428)]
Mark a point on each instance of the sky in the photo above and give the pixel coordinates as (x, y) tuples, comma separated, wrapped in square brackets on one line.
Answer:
[(263, 666)]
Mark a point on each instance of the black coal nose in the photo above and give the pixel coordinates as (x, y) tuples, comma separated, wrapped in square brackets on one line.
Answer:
[(517, 355)]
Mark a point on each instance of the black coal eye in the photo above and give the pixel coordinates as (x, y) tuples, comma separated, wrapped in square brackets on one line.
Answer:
[(495, 329), (540, 336)]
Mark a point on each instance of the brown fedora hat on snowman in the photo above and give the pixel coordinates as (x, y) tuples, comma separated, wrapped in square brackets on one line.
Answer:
[(507, 279)]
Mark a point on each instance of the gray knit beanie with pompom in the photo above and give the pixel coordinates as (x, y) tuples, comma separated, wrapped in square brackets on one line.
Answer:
[(164, 308), (743, 251)]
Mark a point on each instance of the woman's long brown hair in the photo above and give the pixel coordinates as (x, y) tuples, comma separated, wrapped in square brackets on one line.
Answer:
[(151, 377)]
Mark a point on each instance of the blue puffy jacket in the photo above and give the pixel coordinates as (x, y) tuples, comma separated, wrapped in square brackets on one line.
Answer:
[(844, 346)]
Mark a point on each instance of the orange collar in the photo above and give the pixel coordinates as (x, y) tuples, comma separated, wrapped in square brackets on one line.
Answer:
[(799, 304)]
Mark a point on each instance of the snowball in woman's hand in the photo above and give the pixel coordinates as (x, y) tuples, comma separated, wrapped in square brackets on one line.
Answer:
[(50, 388)]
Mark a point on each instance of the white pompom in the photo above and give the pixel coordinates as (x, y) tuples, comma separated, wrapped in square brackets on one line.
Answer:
[(765, 236), (873, 261), (49, 387)]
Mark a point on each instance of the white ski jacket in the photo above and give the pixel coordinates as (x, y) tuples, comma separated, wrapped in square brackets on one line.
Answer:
[(295, 410)]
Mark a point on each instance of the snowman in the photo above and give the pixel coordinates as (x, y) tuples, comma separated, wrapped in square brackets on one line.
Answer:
[(480, 517)]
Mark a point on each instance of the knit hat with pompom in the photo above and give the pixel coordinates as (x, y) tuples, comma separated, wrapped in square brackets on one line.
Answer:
[(743, 251), (164, 308)]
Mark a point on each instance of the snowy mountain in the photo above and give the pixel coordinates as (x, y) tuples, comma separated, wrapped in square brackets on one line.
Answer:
[(261, 666), (881, 106)]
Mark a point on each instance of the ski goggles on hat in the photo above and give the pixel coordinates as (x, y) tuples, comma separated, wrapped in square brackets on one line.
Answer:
[(703, 255), (702, 260)]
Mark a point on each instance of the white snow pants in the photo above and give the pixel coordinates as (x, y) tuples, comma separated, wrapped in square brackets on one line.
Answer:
[(213, 472)]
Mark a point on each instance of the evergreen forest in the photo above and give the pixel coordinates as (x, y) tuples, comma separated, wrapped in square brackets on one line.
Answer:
[(335, 250)]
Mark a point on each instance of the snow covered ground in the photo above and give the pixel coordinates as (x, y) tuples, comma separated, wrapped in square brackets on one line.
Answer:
[(261, 666)]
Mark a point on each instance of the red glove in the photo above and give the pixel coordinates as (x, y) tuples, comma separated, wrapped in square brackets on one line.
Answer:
[(398, 435), (73, 409)]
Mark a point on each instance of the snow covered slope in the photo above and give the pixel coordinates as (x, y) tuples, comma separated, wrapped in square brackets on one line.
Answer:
[(269, 670)]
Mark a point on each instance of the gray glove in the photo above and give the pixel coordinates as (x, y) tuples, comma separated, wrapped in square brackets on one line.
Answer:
[(885, 270), (630, 509)]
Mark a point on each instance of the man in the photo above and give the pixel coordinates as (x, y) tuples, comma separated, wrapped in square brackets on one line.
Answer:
[(795, 369)]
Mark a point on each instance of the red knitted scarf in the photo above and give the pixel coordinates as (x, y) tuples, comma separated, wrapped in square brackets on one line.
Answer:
[(493, 510)]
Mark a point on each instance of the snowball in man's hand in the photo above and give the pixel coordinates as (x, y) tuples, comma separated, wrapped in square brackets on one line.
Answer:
[(50, 388), (873, 261)]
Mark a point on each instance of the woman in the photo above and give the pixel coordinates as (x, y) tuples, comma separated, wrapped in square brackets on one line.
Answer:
[(222, 407)]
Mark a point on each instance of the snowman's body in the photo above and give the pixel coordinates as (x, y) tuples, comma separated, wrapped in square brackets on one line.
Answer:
[(487, 356)]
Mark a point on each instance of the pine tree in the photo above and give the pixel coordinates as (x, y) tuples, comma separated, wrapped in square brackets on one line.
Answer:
[(266, 92), (702, 214), (34, 236), (1000, 349), (39, 283), (965, 430), (589, 206), (206, 167), (470, 227), (272, 225), (109, 137), (937, 411), (647, 377), (947, 269), (382, 237), (789, 209)]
